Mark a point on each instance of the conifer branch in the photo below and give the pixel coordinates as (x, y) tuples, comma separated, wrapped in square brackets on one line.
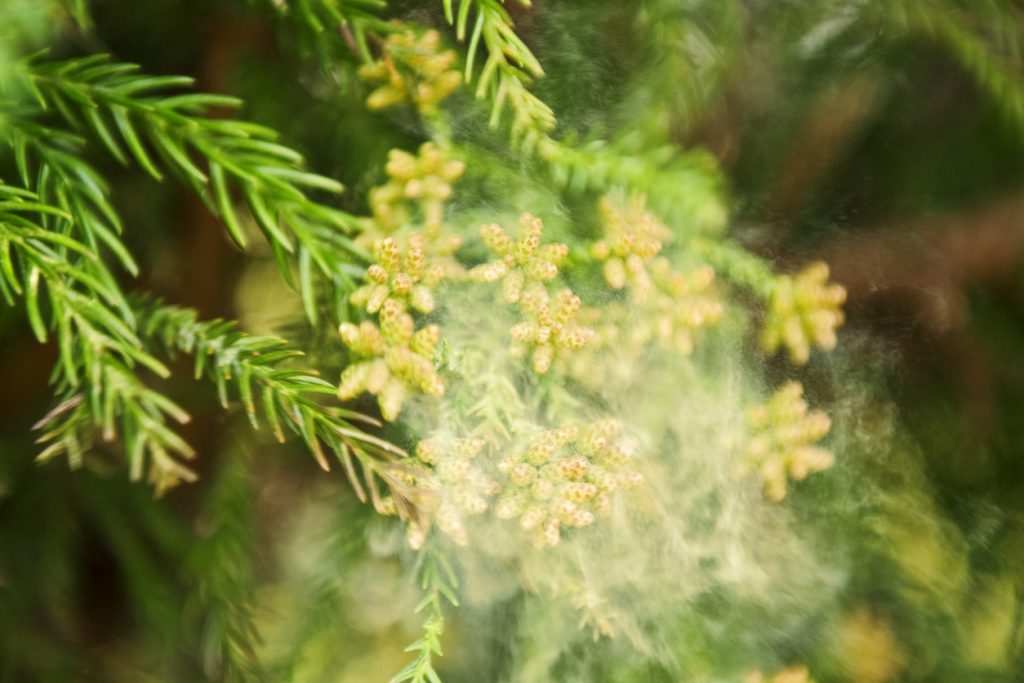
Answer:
[(437, 580), (318, 23), (142, 538), (686, 188), (222, 565), (100, 353), (79, 12), (736, 264), (689, 44), (135, 118), (1000, 76), (50, 162), (256, 370), (508, 69)]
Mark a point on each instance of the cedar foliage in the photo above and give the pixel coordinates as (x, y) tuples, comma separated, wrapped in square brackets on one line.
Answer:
[(129, 553)]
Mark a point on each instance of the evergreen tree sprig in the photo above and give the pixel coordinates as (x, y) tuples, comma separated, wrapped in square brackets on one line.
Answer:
[(50, 162), (685, 187), (691, 45), (598, 165), (79, 12), (317, 23), (135, 117), (99, 352), (998, 75), (256, 370), (736, 264), (437, 580), (508, 69), (222, 566)]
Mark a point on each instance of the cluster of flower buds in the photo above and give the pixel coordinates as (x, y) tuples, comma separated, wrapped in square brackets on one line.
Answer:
[(782, 446), (522, 262), (414, 67), (793, 674), (665, 306), (399, 359), (633, 237), (549, 329), (565, 478), (403, 278), (524, 266), (677, 306), (669, 314), (454, 487), (803, 310), (422, 180)]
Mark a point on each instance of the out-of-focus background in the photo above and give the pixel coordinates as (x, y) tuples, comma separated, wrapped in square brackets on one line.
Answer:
[(884, 138)]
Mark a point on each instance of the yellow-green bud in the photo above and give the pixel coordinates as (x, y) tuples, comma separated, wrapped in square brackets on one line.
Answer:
[(781, 445)]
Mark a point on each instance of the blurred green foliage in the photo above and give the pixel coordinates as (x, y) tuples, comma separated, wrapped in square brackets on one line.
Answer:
[(884, 137)]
